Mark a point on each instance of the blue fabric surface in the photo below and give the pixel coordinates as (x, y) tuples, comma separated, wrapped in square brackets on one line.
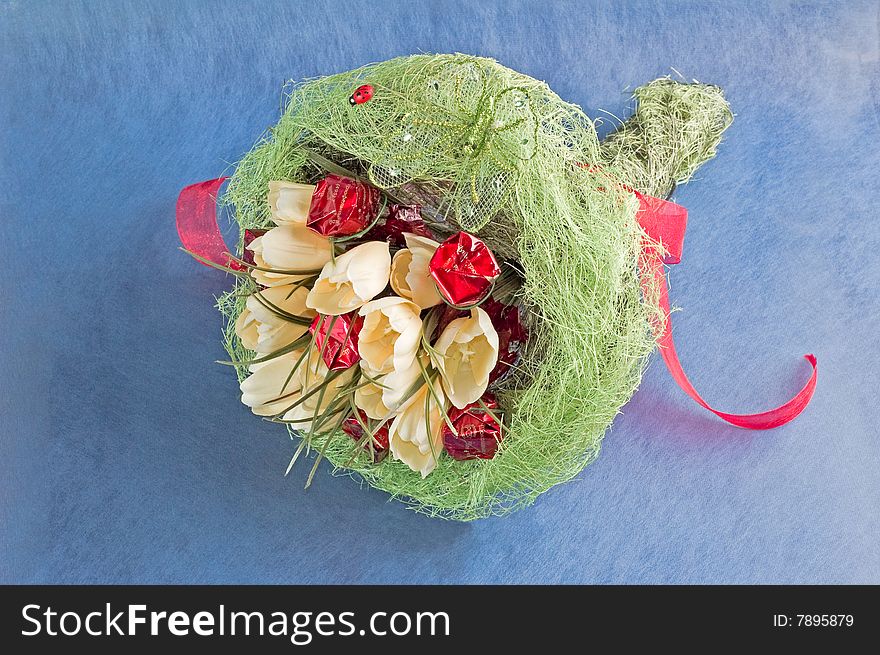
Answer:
[(124, 453)]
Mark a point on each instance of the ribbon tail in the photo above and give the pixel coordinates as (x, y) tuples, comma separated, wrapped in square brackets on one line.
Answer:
[(761, 421), (665, 222), (197, 222)]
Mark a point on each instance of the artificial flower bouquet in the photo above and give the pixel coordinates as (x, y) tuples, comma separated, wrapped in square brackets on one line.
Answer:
[(446, 285)]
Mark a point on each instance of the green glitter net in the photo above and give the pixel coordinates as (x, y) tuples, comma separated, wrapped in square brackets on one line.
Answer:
[(489, 150)]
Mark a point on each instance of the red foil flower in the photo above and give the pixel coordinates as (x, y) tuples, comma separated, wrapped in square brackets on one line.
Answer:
[(342, 206), (478, 433), (352, 427), (340, 348), (512, 336), (463, 268), (404, 218)]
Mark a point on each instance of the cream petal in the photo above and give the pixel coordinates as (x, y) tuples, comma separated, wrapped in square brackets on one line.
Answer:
[(311, 377), (274, 331), (375, 344), (313, 253), (398, 384), (390, 323), (313, 371), (332, 299), (409, 327), (410, 439), (410, 275), (409, 454), (402, 316), (294, 247), (289, 202), (459, 383), (256, 245), (369, 269), (369, 399), (303, 415), (465, 385), (262, 389), (486, 325), (447, 337), (483, 359), (275, 337), (266, 278), (246, 327), (423, 291), (467, 352), (288, 298), (353, 279), (400, 264), (487, 357), (382, 304)]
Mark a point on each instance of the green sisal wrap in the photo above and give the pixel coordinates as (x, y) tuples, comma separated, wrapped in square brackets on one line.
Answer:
[(489, 150)]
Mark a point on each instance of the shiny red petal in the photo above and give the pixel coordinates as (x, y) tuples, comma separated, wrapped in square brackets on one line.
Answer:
[(337, 357), (478, 433), (342, 206)]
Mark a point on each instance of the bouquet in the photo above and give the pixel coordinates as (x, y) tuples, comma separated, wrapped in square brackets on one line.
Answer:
[(445, 284)]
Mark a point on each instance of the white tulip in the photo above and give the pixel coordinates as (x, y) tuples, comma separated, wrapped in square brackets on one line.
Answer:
[(410, 277), (288, 248), (467, 352), (415, 438), (390, 336), (274, 386), (356, 277), (261, 329), (289, 202)]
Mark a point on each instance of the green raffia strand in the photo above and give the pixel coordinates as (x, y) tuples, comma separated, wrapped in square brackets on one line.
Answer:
[(570, 229), (675, 128)]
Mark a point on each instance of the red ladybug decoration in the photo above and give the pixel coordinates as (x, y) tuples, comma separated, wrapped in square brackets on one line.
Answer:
[(361, 95)]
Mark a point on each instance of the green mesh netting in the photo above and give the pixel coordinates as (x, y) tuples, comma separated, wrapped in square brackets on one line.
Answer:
[(489, 150)]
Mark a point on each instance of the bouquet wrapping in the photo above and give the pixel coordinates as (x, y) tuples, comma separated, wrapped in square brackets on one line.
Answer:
[(445, 284)]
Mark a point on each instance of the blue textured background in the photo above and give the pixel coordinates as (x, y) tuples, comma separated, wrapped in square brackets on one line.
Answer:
[(124, 454)]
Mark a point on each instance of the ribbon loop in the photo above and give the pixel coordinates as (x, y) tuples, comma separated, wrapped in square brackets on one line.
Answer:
[(197, 222)]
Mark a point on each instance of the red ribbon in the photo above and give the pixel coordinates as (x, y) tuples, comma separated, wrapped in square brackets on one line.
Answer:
[(197, 223), (663, 221)]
